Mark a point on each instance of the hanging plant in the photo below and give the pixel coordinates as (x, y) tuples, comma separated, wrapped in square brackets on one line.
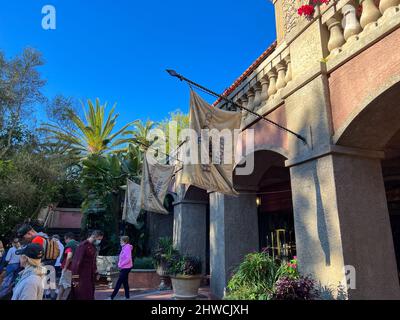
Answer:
[(308, 10)]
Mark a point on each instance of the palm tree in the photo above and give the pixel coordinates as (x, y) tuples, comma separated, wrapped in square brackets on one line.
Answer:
[(139, 136), (92, 135)]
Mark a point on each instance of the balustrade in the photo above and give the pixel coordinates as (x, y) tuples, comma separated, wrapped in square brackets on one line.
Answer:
[(345, 26)]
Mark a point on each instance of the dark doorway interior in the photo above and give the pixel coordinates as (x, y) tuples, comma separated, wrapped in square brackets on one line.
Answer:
[(393, 197), (276, 222)]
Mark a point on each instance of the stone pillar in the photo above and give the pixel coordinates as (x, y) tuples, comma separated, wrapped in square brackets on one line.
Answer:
[(190, 228), (233, 234), (159, 226), (341, 219)]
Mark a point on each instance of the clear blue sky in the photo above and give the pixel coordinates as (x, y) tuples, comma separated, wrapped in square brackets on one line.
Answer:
[(118, 50)]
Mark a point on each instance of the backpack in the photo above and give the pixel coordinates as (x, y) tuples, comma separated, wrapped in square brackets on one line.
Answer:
[(51, 249)]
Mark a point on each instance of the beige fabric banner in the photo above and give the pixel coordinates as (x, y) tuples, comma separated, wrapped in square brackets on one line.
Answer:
[(156, 178), (132, 205), (210, 172)]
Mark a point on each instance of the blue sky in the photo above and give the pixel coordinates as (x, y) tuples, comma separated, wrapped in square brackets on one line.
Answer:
[(118, 50)]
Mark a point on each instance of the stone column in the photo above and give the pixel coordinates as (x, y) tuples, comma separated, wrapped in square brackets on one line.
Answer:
[(341, 219), (159, 226), (233, 234), (190, 228)]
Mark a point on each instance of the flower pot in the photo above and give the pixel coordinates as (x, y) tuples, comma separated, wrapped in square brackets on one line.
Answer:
[(107, 266), (186, 287), (164, 277)]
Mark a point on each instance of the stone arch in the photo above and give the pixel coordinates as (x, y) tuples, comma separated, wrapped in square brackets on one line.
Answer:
[(375, 122), (373, 125), (265, 158)]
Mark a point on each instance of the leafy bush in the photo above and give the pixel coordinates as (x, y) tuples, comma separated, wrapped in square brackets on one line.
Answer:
[(164, 251), (259, 277), (289, 270), (184, 265), (289, 288), (254, 279), (145, 263)]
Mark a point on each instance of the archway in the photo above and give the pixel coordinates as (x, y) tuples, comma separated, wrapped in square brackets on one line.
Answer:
[(270, 182), (374, 130)]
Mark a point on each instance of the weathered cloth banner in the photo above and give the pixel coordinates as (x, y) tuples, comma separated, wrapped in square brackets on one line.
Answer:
[(209, 157), (132, 206), (156, 178)]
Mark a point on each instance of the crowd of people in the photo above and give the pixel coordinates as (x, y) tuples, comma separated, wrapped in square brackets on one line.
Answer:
[(37, 266)]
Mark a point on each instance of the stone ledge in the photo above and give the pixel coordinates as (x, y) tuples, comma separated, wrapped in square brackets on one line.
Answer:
[(335, 149), (189, 202)]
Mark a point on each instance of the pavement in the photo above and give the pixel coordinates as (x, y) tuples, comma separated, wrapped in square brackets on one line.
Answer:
[(103, 293)]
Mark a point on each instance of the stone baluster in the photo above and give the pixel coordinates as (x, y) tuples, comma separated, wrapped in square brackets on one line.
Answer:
[(272, 82), (336, 37), (288, 77), (264, 89), (351, 25), (280, 81), (257, 98), (251, 94), (370, 14), (388, 7), (244, 102)]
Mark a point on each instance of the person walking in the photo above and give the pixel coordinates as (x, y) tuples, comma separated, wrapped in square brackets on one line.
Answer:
[(51, 253), (30, 283), (2, 257), (57, 265), (12, 269), (12, 259), (65, 283), (50, 246), (84, 270), (125, 264)]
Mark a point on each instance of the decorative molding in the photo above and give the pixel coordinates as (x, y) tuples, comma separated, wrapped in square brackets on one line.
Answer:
[(290, 15)]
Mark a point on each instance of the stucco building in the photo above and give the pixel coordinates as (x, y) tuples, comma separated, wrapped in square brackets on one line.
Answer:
[(335, 200)]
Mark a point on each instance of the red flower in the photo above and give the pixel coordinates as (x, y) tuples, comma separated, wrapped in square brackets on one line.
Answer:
[(309, 9), (306, 10)]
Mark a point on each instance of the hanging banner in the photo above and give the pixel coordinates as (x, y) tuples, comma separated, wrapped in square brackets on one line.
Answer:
[(156, 179), (132, 205), (209, 155)]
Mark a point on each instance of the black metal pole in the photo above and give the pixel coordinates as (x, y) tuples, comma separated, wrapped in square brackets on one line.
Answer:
[(173, 73), (135, 141)]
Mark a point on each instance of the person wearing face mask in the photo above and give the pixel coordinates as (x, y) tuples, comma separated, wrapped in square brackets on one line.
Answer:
[(84, 270), (125, 265), (30, 283)]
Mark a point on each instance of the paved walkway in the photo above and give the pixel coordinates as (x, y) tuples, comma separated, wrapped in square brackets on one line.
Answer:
[(103, 293)]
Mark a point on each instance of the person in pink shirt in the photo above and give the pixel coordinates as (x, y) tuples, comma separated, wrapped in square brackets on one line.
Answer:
[(125, 264)]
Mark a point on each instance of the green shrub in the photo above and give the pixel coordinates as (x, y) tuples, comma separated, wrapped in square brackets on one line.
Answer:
[(184, 265), (254, 279), (164, 251)]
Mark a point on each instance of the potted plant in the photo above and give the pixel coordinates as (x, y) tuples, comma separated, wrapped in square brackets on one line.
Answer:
[(186, 276), (162, 254)]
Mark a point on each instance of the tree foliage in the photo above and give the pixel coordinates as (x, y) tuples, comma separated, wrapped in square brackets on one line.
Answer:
[(91, 135), (20, 90)]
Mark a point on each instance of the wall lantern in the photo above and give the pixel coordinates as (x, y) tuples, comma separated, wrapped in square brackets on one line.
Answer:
[(258, 201)]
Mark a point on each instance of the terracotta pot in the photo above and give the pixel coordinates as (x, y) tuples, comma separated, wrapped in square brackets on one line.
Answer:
[(186, 287)]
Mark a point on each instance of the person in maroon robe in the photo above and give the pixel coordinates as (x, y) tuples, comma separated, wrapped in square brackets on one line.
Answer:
[(84, 270)]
